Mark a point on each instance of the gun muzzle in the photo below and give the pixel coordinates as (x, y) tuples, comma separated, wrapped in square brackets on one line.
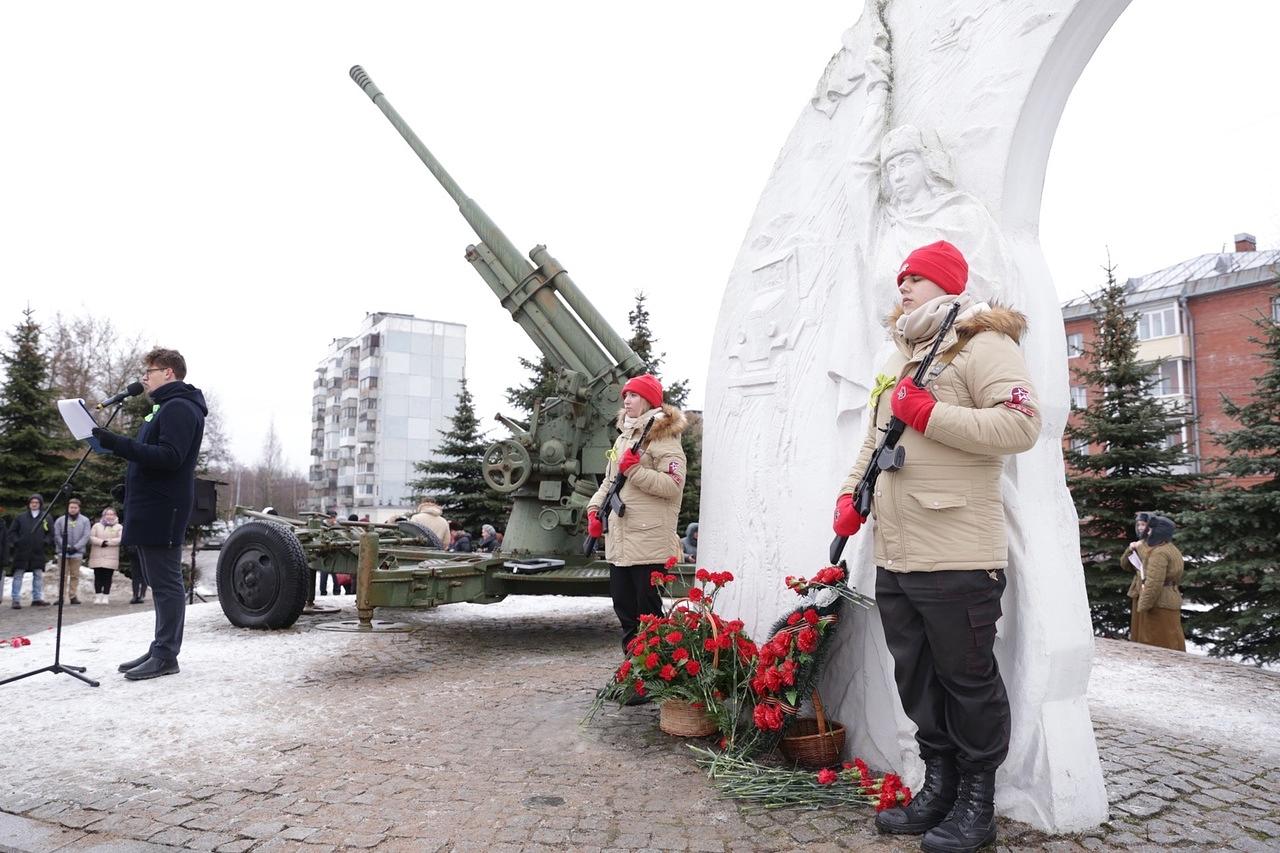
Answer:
[(364, 81)]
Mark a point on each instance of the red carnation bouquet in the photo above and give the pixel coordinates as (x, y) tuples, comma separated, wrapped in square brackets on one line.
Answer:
[(691, 653)]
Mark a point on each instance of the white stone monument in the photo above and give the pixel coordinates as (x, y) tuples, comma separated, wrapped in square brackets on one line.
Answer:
[(933, 121)]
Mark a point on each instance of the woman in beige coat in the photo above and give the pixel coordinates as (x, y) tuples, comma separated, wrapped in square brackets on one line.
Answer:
[(1159, 603), (104, 554), (641, 541), (941, 544)]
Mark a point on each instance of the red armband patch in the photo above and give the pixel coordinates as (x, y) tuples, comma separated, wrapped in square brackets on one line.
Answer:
[(1018, 399), (674, 470)]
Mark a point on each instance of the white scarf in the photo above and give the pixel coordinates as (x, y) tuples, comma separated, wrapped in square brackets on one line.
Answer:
[(922, 324), (629, 423)]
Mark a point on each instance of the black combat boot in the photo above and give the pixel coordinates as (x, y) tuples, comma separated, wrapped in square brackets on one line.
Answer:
[(929, 805), (972, 821)]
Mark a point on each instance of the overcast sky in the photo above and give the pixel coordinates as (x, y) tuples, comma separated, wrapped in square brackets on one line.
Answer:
[(209, 177)]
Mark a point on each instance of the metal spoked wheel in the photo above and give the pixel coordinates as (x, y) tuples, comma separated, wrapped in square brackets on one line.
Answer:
[(506, 466)]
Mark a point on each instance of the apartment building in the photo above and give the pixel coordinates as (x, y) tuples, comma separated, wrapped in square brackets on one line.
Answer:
[(380, 400), (1197, 315)]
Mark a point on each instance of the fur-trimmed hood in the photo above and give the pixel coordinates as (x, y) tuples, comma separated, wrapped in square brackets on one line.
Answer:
[(995, 318), (986, 318), (671, 424)]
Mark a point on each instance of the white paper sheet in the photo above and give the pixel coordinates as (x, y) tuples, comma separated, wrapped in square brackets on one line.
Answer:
[(77, 418), (1137, 564)]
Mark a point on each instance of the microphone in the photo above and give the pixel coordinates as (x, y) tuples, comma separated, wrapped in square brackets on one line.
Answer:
[(134, 389)]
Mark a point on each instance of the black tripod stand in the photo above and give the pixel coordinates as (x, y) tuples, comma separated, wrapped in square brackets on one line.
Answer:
[(58, 666)]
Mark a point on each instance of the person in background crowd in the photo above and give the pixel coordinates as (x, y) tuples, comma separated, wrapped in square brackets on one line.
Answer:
[(430, 516), (322, 577), (1159, 602), (75, 528), (1139, 549), (459, 539), (690, 543), (5, 521), (488, 538), (30, 543), (353, 517), (104, 554), (365, 518)]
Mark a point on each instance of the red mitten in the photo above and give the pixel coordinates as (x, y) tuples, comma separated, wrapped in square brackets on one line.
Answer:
[(629, 458), (912, 404), (847, 520), (595, 528)]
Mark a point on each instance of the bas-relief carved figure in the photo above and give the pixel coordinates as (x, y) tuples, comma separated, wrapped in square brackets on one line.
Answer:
[(903, 143)]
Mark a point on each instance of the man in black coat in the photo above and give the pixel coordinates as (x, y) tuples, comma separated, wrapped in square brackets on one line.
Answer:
[(159, 493), (30, 537)]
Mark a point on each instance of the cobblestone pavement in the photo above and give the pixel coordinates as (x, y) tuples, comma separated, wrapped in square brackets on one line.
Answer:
[(464, 735)]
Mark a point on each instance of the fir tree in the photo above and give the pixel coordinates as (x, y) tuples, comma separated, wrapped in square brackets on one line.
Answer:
[(455, 481), (31, 442), (642, 344), (540, 384), (1129, 465), (1237, 524)]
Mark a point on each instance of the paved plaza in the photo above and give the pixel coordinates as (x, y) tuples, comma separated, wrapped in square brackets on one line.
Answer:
[(465, 735)]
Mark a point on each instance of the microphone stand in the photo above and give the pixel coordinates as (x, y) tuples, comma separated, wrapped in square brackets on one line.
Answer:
[(58, 666)]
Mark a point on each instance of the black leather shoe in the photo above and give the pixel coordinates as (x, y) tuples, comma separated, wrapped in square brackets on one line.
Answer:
[(972, 821), (17, 606), (152, 668), (40, 603), (130, 664), (931, 804)]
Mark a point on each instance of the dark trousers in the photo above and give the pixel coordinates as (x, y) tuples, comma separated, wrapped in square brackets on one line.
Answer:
[(139, 582), (633, 596), (323, 579), (102, 581), (941, 629), (161, 569)]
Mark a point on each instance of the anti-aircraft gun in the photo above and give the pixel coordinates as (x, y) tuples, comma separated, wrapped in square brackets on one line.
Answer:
[(550, 466)]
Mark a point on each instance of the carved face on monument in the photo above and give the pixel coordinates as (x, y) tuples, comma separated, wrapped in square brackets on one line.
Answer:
[(906, 177)]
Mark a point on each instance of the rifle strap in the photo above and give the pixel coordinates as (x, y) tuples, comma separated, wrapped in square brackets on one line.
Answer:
[(940, 364)]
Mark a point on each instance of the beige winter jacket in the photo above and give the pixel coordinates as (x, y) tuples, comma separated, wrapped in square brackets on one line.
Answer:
[(433, 519), (942, 510), (652, 492), (104, 546), (1164, 574)]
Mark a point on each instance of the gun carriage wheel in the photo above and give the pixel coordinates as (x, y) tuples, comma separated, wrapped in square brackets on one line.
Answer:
[(506, 466), (262, 576)]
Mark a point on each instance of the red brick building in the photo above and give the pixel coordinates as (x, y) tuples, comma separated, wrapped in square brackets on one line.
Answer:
[(1198, 315)]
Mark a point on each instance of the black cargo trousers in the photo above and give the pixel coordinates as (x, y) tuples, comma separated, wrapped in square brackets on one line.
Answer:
[(941, 629), (633, 596)]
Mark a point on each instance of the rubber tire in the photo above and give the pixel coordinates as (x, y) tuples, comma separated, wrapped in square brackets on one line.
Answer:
[(262, 576), (413, 528)]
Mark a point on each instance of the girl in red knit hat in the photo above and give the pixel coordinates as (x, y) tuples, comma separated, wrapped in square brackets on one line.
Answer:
[(941, 546), (640, 542)]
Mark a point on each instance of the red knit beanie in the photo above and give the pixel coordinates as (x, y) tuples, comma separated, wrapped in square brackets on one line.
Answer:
[(646, 386), (939, 262)]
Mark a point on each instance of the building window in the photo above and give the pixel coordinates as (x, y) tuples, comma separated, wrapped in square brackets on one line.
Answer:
[(1275, 309), (1080, 445), (1161, 323), (1167, 380), (1079, 397), (1172, 440), (1075, 345)]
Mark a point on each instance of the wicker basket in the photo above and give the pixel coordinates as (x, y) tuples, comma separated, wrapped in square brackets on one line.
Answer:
[(814, 743), (680, 718)]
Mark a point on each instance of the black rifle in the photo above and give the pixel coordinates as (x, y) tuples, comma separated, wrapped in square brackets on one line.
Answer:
[(888, 455), (613, 502)]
